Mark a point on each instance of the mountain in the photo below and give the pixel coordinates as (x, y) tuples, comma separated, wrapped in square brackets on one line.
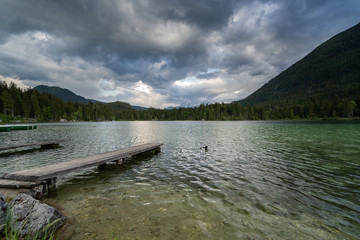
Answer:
[(119, 106), (67, 95), (63, 94), (139, 108), (187, 105), (331, 71)]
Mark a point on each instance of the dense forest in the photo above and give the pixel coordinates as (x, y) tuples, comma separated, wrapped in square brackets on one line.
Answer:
[(30, 105)]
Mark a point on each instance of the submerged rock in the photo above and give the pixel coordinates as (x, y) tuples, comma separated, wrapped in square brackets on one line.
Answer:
[(3, 208), (31, 217)]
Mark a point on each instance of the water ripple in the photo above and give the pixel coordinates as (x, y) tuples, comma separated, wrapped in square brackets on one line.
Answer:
[(258, 180)]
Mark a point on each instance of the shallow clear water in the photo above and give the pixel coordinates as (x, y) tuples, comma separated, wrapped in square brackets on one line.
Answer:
[(258, 180)]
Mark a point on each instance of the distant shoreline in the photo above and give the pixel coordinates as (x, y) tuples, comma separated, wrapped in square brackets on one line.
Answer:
[(257, 120)]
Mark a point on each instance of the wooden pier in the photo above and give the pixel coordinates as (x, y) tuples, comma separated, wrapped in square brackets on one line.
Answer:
[(47, 144), (44, 178)]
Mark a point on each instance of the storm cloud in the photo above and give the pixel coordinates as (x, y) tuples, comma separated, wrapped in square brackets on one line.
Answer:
[(163, 52)]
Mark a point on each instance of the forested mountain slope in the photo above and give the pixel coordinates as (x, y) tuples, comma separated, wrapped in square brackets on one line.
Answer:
[(67, 95), (330, 72), (63, 94)]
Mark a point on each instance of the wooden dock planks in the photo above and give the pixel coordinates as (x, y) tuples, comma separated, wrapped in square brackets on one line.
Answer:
[(42, 144), (4, 183), (53, 171)]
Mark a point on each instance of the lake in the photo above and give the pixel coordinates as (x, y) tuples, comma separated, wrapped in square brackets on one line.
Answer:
[(258, 180)]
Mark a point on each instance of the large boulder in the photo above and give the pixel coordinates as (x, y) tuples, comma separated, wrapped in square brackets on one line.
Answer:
[(30, 217), (3, 208)]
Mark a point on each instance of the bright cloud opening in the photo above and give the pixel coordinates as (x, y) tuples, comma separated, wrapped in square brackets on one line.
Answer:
[(141, 87), (41, 36), (19, 83)]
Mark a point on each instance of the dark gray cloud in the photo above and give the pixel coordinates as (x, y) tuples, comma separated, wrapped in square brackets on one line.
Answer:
[(211, 14), (163, 52)]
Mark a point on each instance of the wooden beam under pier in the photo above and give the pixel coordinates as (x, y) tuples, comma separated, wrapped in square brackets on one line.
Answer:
[(47, 144)]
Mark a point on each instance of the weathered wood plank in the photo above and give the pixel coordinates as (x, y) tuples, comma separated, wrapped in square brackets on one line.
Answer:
[(12, 184), (47, 143), (52, 171)]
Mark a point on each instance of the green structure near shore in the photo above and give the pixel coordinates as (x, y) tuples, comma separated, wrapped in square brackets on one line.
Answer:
[(8, 128), (5, 129)]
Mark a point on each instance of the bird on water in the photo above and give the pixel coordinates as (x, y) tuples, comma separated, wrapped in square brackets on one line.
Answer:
[(205, 148)]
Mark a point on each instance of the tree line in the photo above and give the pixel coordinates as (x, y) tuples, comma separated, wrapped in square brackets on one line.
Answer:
[(30, 105)]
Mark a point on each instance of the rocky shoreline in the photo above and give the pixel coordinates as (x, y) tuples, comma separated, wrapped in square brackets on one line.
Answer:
[(28, 217)]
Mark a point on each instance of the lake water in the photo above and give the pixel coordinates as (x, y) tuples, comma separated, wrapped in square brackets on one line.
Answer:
[(258, 180)]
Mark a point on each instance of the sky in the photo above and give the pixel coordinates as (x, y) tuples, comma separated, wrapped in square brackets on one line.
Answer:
[(162, 53)]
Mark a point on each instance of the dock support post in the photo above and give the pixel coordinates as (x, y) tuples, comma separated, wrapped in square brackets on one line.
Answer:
[(38, 191), (157, 150), (51, 186), (49, 146), (101, 166), (120, 162)]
